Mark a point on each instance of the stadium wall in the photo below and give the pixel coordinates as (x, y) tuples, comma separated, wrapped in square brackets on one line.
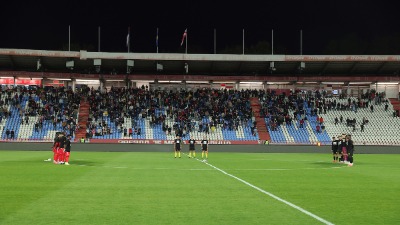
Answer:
[(213, 148)]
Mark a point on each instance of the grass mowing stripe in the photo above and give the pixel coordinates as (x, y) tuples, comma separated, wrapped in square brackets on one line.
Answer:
[(270, 194)]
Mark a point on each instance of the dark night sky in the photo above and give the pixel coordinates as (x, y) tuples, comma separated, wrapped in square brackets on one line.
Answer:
[(44, 24)]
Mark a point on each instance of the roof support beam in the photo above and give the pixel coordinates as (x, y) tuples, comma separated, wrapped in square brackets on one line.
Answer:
[(212, 67), (380, 68), (297, 69), (325, 68), (12, 61), (353, 67), (240, 68)]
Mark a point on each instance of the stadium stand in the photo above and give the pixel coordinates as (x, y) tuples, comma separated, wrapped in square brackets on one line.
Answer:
[(366, 119), (161, 115), (136, 113), (37, 114)]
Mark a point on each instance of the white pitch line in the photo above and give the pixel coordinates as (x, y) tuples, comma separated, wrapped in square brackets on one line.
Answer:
[(285, 169), (277, 169), (271, 195)]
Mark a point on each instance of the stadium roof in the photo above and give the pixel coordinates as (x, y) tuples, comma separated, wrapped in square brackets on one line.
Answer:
[(201, 64)]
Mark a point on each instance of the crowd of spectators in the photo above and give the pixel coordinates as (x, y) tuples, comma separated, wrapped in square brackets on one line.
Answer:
[(205, 110), (202, 110), (57, 106), (305, 104)]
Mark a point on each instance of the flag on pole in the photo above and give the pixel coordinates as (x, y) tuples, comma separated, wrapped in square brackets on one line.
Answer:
[(184, 36), (157, 39), (128, 39)]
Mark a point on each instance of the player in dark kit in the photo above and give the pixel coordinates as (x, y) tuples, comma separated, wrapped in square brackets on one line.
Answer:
[(342, 148), (204, 148), (67, 151), (350, 149), (335, 149), (192, 151), (177, 146)]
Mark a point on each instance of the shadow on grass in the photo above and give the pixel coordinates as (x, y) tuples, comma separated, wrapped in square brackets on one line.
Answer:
[(84, 163), (327, 164)]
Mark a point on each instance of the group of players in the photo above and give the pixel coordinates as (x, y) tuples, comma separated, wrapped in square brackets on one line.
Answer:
[(192, 150), (343, 149), (61, 149)]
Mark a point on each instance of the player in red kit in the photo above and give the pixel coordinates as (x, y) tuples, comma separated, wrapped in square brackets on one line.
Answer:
[(67, 151), (60, 152), (56, 145)]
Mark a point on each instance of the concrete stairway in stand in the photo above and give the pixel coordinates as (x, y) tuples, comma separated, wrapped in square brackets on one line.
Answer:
[(263, 133), (83, 118)]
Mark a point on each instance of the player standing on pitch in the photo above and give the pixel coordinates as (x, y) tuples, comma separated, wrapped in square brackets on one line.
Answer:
[(60, 152), (192, 150), (67, 150), (350, 149), (56, 145), (204, 148), (335, 149), (177, 146), (342, 149)]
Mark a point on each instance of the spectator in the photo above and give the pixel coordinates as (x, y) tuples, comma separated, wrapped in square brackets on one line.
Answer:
[(301, 123)]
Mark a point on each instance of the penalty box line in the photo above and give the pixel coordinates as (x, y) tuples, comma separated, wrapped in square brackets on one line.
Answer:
[(270, 194)]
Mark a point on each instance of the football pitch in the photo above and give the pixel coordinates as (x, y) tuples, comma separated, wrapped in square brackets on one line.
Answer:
[(230, 188)]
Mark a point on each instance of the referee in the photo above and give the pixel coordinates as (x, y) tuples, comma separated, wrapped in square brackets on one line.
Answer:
[(204, 148), (335, 149), (192, 151), (177, 146)]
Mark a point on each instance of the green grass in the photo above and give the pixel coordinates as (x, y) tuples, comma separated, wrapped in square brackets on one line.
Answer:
[(154, 188)]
